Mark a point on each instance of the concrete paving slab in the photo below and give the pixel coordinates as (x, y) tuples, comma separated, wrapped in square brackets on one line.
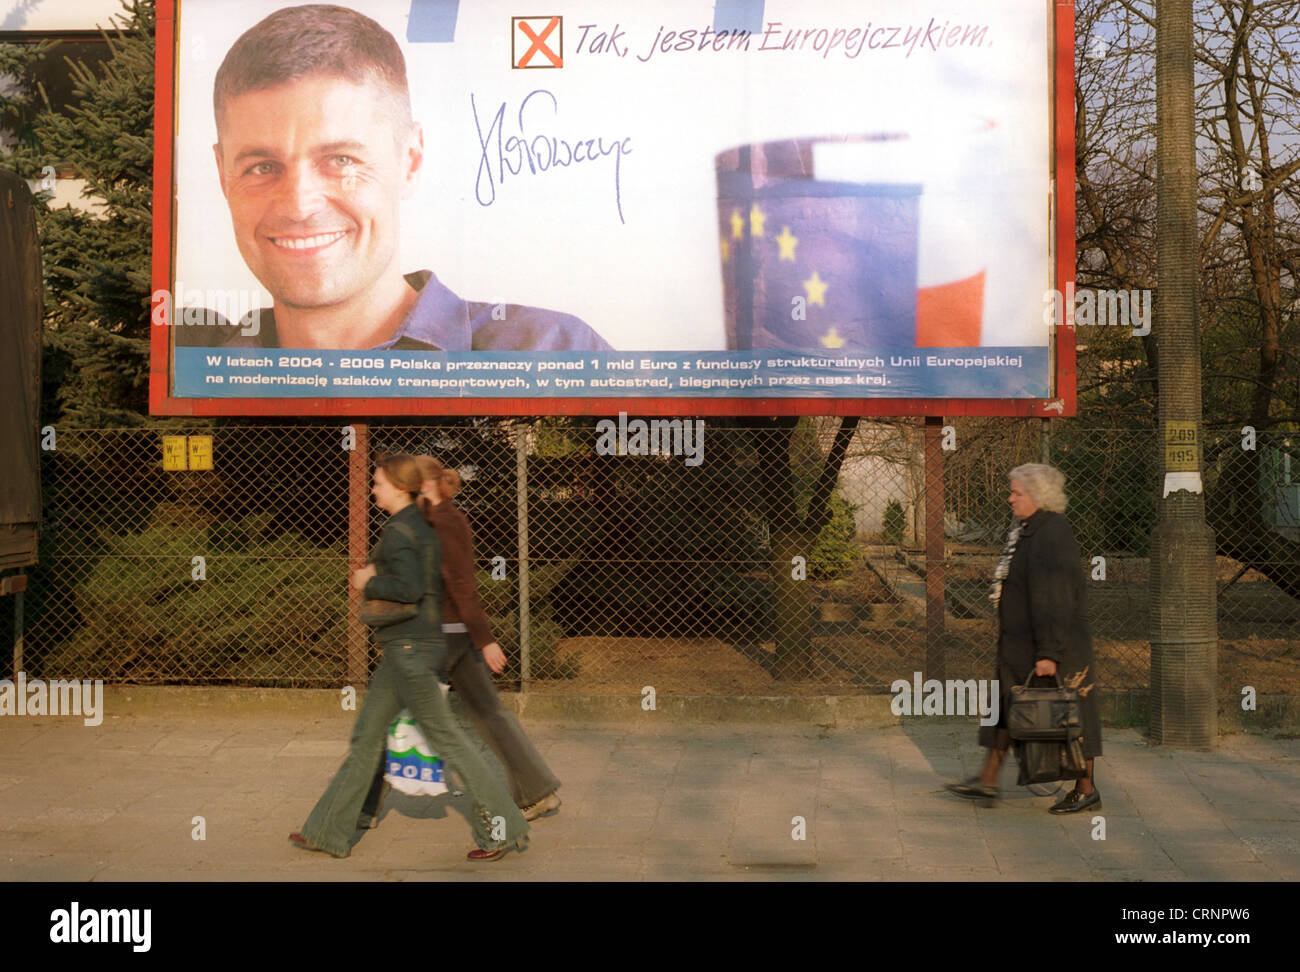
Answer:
[(647, 801)]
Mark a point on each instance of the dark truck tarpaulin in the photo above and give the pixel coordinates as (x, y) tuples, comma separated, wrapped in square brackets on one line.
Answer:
[(20, 374)]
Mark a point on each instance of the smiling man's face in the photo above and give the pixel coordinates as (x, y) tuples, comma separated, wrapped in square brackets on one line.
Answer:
[(314, 171)]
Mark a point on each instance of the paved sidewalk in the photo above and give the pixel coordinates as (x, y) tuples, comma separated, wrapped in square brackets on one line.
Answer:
[(643, 800)]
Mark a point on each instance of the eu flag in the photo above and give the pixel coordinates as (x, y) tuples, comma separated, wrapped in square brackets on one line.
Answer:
[(813, 265)]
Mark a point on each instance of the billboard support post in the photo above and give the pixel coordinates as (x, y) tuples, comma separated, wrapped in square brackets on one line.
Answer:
[(934, 600), (521, 498), (358, 547)]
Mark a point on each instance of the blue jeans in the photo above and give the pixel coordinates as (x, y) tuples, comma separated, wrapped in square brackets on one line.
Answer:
[(408, 677)]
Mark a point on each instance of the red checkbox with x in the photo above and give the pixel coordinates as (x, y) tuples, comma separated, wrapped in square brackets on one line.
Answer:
[(540, 38)]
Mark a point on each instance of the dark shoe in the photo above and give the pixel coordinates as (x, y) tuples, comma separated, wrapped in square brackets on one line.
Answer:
[(478, 854), (1074, 802), (544, 807), (973, 789), (301, 842)]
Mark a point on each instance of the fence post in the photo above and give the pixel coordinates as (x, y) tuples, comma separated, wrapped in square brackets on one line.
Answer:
[(934, 572), (18, 632), (358, 548), (521, 498)]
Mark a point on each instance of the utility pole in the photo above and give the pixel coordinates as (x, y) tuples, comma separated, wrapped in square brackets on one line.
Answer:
[(1184, 621)]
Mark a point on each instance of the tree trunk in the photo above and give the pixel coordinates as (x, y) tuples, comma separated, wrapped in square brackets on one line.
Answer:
[(793, 536), (793, 608)]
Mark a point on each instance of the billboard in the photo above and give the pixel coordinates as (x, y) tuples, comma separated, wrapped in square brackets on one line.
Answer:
[(423, 206)]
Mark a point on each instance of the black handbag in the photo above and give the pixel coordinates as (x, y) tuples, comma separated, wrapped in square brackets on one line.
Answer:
[(378, 613), (1050, 762), (1046, 724), (1045, 713)]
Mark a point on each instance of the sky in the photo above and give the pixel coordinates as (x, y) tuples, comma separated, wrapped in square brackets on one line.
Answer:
[(43, 15)]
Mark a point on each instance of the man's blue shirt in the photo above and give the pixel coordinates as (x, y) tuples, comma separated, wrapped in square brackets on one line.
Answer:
[(439, 321)]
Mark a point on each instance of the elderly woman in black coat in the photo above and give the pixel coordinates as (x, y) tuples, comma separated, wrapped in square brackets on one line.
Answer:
[(1042, 623)]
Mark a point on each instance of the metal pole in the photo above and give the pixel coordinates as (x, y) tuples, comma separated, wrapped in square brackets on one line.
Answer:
[(1045, 443), (934, 572), (358, 548), (521, 498)]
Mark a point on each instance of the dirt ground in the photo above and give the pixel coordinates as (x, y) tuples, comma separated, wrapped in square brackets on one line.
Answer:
[(857, 664), (852, 662), (877, 640), (1270, 665), (695, 666)]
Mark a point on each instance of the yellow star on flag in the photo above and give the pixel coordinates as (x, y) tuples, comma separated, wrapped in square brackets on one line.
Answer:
[(737, 225), (726, 251), (816, 288), (756, 220), (831, 339), (787, 241)]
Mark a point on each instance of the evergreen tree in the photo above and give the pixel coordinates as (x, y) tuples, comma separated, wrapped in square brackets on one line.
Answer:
[(97, 264), (17, 96)]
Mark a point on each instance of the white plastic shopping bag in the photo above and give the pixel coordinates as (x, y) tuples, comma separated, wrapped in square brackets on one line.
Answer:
[(410, 765)]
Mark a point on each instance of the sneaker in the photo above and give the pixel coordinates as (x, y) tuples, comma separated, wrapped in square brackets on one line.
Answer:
[(544, 807)]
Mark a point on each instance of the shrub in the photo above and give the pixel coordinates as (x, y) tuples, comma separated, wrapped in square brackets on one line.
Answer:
[(894, 523), (835, 553), (270, 608)]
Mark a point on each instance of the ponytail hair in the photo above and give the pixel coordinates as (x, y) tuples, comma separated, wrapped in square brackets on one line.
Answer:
[(448, 480), (451, 482)]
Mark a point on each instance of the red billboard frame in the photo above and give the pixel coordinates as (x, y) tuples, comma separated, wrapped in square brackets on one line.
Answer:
[(1064, 382)]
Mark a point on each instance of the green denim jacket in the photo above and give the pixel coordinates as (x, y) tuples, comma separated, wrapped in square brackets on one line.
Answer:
[(401, 557)]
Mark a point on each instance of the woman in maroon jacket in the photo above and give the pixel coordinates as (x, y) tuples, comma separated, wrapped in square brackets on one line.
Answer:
[(471, 650)]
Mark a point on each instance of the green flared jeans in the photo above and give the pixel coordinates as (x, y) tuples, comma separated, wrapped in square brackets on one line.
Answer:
[(408, 677)]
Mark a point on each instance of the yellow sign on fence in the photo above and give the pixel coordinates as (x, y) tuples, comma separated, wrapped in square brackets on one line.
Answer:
[(174, 452), (181, 452), (200, 452)]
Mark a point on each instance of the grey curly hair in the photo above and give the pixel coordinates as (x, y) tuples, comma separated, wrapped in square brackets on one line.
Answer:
[(1044, 484)]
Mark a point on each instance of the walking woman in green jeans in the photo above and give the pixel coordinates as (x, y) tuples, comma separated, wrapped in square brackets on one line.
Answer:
[(403, 567), (471, 651)]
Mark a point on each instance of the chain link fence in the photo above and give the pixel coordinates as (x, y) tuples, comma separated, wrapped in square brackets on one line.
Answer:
[(745, 564)]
